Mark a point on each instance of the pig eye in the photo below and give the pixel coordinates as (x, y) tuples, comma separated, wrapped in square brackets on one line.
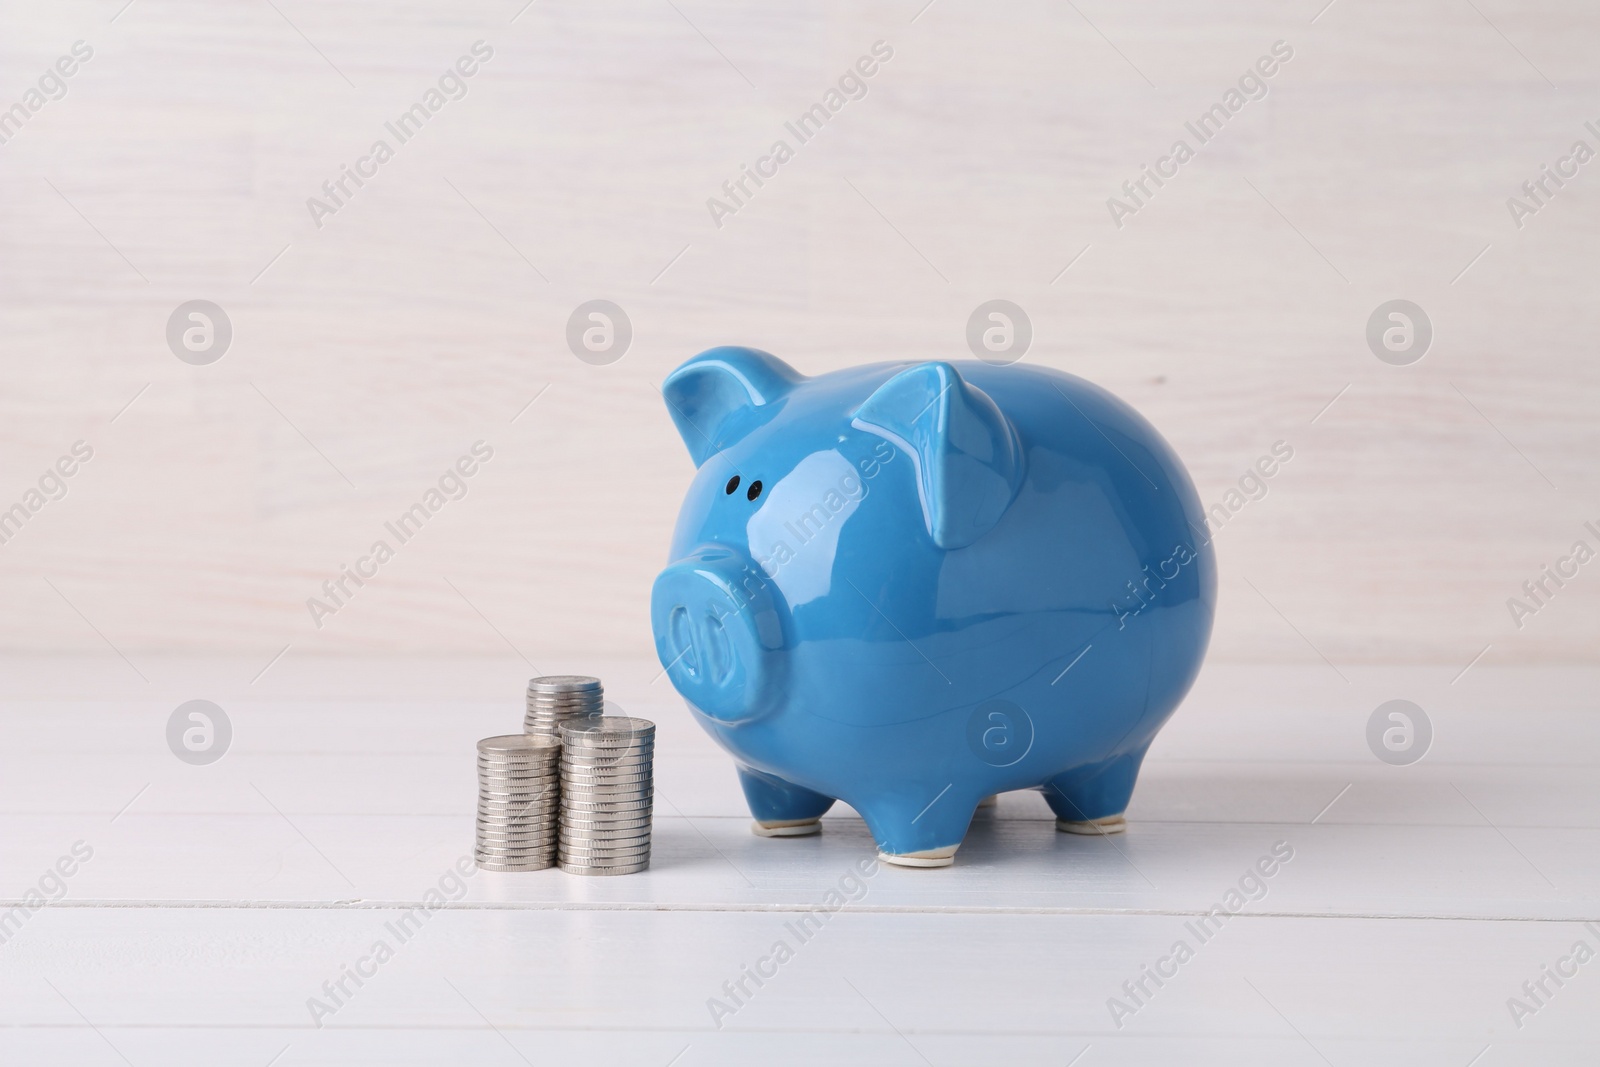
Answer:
[(733, 483), (755, 490)]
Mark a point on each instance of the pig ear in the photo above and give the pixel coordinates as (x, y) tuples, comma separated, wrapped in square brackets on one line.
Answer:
[(966, 453), (722, 394)]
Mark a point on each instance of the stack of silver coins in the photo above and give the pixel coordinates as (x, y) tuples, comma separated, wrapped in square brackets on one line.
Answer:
[(519, 786), (555, 698), (607, 793)]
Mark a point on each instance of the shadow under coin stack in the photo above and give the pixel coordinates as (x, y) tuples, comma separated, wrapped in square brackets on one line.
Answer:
[(555, 698), (519, 783), (607, 793)]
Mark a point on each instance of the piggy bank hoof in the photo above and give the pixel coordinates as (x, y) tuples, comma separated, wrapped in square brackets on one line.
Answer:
[(786, 827), (989, 802), (1110, 824), (933, 857)]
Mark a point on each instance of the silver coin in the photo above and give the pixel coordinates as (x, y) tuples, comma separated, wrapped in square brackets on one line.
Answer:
[(632, 827), (499, 832), (508, 851), (627, 759), (607, 841), (502, 744), (576, 758), (513, 805), (596, 731), (543, 855), (531, 829), (516, 817), (514, 840), (504, 852), (520, 785), (603, 793), (583, 780), (531, 805), (572, 845), (563, 683), (513, 766), (580, 822), (572, 868), (599, 819), (534, 776), (497, 867), (586, 761), (599, 858), (613, 726), (519, 789), (517, 763), (574, 802), (638, 835), (498, 820), (580, 863)]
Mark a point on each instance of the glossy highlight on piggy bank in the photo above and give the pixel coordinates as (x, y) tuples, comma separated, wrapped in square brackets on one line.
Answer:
[(913, 586)]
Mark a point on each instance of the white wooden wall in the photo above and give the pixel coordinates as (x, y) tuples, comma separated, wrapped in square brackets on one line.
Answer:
[(431, 308)]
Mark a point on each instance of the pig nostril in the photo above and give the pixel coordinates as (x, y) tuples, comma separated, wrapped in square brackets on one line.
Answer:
[(718, 659), (682, 639)]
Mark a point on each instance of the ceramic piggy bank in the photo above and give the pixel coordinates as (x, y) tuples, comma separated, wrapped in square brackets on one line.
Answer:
[(912, 586)]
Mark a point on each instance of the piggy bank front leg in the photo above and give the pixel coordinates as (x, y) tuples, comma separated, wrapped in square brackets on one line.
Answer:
[(781, 809), (919, 829), (1092, 799)]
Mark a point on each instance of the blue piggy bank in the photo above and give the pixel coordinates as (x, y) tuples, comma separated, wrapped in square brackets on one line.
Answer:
[(912, 586)]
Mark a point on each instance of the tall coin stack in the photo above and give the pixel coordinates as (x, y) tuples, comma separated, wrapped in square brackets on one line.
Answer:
[(607, 794), (555, 698), (519, 785)]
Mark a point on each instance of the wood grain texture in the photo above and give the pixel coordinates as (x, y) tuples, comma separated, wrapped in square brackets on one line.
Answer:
[(219, 899), (431, 308)]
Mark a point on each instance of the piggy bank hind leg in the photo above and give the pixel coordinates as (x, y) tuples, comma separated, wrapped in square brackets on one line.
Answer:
[(911, 832), (1092, 799), (782, 809)]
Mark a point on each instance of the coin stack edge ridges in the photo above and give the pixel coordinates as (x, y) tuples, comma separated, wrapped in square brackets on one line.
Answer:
[(519, 779), (607, 795), (556, 698)]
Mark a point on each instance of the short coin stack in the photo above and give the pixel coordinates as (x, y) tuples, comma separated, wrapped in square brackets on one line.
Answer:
[(555, 698), (607, 793), (519, 785)]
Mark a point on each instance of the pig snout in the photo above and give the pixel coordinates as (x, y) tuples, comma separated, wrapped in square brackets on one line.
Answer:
[(719, 631)]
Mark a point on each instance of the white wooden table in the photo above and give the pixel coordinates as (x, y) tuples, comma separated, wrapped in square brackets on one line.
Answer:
[(220, 899)]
